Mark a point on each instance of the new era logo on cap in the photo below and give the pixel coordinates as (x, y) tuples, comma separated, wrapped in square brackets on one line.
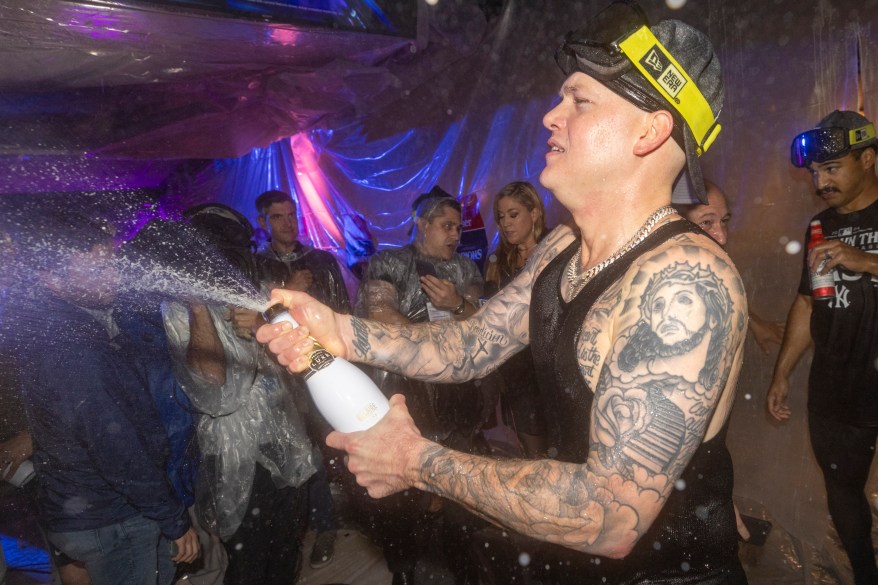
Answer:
[(660, 67)]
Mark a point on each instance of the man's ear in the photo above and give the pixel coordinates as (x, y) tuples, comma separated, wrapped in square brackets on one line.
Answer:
[(867, 159), (656, 131), (261, 219)]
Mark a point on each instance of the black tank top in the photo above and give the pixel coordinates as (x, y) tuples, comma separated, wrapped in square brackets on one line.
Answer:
[(694, 538)]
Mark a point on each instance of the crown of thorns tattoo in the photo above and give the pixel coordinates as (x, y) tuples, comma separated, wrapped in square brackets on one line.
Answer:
[(705, 282)]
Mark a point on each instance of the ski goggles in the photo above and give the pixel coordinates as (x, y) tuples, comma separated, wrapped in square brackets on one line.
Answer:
[(823, 144), (619, 38)]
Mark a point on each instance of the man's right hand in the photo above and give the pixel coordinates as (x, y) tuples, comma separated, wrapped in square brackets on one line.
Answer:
[(381, 458), (778, 393), (316, 320), (188, 547)]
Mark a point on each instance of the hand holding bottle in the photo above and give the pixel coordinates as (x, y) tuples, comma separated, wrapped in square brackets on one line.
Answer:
[(835, 253), (822, 280), (346, 397), (316, 320), (386, 458)]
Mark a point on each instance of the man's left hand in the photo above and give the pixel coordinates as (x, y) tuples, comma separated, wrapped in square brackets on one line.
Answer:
[(384, 458), (245, 322), (188, 547), (837, 253), (442, 292)]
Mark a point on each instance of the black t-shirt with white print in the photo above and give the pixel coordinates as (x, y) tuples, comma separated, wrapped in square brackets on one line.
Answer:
[(843, 384)]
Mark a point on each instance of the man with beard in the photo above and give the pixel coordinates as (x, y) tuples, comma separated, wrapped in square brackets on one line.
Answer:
[(842, 403)]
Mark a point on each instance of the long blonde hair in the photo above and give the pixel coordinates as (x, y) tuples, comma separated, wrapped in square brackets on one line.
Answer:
[(503, 263)]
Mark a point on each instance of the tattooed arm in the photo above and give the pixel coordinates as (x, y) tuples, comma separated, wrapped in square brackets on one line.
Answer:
[(656, 398), (444, 351)]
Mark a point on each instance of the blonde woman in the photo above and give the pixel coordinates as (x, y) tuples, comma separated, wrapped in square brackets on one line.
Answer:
[(521, 222)]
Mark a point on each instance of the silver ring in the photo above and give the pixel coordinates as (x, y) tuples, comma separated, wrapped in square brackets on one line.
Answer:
[(826, 255)]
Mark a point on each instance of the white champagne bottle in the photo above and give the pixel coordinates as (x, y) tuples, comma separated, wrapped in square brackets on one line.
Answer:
[(346, 397)]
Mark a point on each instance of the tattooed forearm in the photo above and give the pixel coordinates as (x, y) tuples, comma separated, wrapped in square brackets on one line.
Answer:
[(448, 351), (444, 351), (557, 502), (360, 341)]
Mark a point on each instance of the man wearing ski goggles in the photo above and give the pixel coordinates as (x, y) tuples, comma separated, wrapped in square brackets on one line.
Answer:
[(823, 144), (840, 155)]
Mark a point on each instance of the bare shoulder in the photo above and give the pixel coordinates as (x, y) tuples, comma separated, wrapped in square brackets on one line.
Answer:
[(518, 291)]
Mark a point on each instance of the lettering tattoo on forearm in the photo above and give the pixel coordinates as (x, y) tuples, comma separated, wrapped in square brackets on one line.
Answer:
[(361, 343), (441, 351)]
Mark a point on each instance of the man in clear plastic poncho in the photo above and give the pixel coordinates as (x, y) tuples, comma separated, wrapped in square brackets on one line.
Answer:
[(257, 456)]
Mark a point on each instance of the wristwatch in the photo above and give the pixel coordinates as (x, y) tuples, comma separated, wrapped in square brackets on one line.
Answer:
[(460, 308)]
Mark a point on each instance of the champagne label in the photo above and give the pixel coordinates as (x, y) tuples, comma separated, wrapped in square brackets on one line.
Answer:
[(368, 412), (320, 358)]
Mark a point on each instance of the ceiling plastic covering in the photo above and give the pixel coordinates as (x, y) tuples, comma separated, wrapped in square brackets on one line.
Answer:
[(139, 81)]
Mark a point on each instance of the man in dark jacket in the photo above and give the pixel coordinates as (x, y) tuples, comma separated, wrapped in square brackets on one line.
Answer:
[(316, 272), (100, 450)]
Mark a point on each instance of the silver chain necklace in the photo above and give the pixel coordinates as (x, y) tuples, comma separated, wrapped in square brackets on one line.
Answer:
[(577, 279)]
